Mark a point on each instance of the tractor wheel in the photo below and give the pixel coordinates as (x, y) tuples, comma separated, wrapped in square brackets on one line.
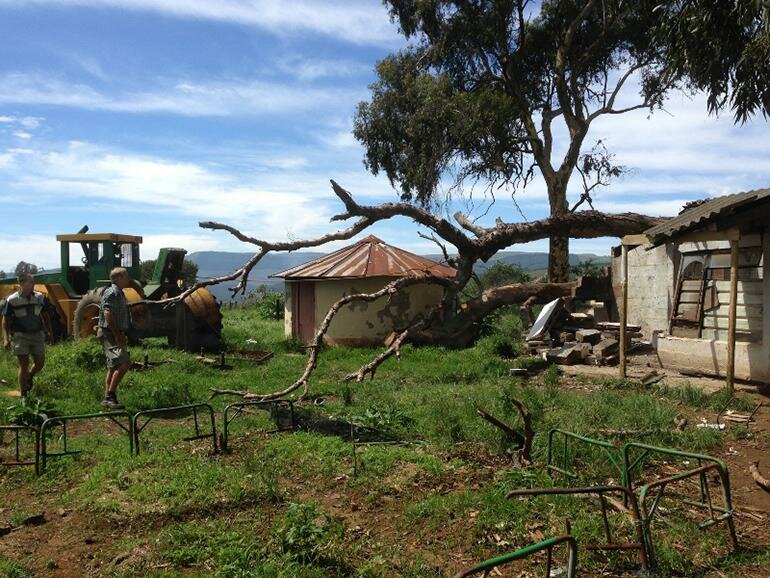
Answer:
[(86, 313), (199, 326), (205, 308)]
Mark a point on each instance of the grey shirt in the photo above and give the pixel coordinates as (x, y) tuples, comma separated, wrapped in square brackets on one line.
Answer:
[(114, 301)]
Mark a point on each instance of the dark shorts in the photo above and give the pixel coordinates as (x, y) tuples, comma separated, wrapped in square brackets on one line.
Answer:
[(29, 343), (115, 354)]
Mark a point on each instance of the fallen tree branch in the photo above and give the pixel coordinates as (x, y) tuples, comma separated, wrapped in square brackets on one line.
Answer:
[(525, 453), (761, 481), (314, 348), (461, 329), (488, 241), (393, 349), (458, 330)]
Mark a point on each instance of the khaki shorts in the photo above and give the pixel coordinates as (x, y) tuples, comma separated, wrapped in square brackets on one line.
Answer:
[(115, 354), (29, 343)]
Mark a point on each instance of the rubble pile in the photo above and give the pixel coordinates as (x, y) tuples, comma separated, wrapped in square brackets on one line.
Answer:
[(571, 338)]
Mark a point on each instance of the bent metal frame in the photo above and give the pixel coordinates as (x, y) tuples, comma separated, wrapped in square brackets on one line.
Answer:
[(630, 458)]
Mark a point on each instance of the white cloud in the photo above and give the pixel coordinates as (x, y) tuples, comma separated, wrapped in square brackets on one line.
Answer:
[(360, 22), (341, 139), (89, 175), (153, 242), (41, 250), (25, 122), (318, 68), (284, 163), (223, 98)]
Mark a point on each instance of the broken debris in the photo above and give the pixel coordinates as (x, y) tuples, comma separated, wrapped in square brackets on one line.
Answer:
[(568, 338)]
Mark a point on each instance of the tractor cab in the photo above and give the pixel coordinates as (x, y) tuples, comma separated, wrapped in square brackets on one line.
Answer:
[(88, 258)]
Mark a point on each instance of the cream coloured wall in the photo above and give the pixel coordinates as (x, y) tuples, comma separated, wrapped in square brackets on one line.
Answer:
[(369, 323), (710, 357), (287, 309)]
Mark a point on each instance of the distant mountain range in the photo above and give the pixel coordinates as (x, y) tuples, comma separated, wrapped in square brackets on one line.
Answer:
[(218, 263)]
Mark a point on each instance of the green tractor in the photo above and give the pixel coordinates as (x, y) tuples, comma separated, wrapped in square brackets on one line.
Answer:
[(76, 289)]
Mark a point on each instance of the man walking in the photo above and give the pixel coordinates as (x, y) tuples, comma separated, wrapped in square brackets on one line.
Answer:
[(26, 323), (114, 322)]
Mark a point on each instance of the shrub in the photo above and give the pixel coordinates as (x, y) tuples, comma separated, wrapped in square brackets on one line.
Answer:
[(86, 354), (502, 332), (268, 304), (159, 394), (307, 536), (29, 412)]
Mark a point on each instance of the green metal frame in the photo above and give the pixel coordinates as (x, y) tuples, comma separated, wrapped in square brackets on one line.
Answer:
[(548, 545), (238, 409), (631, 459), (705, 464), (655, 491), (612, 451), (62, 420), (17, 429), (151, 414), (633, 506)]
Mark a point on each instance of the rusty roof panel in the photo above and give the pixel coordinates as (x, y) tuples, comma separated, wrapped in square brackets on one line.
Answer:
[(369, 257), (705, 214)]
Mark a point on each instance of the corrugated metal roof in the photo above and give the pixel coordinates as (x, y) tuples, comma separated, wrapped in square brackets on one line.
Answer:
[(704, 214), (369, 257)]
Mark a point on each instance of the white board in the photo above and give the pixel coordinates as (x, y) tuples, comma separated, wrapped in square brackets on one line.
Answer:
[(543, 321)]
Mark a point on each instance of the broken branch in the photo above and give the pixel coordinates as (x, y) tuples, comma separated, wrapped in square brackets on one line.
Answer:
[(512, 433), (524, 440), (761, 481)]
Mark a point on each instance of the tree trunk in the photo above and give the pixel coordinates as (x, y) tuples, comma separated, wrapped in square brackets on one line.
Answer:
[(558, 260), (558, 248), (463, 329)]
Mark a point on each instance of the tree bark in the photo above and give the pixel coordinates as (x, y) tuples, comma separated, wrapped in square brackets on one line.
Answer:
[(558, 259)]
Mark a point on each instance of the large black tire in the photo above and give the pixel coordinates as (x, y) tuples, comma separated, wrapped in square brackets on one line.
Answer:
[(84, 323)]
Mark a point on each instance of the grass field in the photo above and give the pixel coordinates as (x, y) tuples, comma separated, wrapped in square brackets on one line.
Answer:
[(292, 504)]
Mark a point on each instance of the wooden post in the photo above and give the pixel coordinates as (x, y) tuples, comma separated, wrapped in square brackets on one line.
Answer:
[(730, 373), (623, 309)]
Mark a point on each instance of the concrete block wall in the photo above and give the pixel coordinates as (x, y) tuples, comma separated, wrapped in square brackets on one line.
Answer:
[(651, 280)]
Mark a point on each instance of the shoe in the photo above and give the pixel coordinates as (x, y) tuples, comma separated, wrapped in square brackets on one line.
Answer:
[(111, 402), (27, 388)]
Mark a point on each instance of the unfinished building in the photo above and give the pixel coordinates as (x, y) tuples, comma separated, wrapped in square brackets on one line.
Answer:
[(699, 279)]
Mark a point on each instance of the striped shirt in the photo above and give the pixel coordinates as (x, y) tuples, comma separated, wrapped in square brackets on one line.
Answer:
[(25, 313), (114, 301)]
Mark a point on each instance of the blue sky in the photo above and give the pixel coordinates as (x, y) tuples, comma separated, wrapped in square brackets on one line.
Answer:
[(146, 116)]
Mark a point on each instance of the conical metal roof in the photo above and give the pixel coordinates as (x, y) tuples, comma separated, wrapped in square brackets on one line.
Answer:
[(369, 257)]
